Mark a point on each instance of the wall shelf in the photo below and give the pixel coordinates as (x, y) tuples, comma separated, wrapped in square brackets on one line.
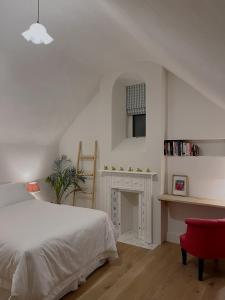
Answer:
[(207, 147)]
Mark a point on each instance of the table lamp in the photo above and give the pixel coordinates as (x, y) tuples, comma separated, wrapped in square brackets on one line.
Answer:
[(33, 187)]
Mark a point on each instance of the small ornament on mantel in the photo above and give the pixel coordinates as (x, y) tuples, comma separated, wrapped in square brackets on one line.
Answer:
[(121, 169), (113, 168), (148, 170), (139, 170), (106, 168), (130, 169)]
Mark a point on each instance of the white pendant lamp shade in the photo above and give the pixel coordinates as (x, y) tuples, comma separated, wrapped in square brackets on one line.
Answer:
[(37, 34)]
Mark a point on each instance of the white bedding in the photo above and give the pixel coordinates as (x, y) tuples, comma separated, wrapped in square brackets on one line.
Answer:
[(45, 248)]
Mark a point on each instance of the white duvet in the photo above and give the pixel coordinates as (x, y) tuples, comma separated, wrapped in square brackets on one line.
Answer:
[(44, 248)]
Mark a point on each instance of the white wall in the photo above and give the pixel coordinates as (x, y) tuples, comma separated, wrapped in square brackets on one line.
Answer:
[(95, 122), (119, 130), (191, 115), (27, 162)]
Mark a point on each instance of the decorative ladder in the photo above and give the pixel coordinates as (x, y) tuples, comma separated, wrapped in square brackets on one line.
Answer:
[(91, 174)]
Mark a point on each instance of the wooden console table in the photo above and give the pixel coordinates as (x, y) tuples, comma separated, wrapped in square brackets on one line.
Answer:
[(192, 200)]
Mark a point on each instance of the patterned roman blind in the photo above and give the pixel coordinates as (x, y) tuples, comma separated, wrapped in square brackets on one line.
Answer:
[(135, 98)]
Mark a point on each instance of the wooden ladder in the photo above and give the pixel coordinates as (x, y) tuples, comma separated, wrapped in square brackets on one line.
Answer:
[(91, 174)]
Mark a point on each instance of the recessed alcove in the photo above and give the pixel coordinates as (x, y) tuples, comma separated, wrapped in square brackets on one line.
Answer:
[(122, 122), (129, 213)]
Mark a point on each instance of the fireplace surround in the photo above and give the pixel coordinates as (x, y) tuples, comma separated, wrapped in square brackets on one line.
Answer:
[(115, 185)]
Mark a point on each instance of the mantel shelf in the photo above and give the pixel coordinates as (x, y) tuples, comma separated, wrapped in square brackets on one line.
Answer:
[(193, 200), (127, 172)]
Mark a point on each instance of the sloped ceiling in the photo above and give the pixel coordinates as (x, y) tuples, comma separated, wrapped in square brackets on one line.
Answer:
[(43, 88)]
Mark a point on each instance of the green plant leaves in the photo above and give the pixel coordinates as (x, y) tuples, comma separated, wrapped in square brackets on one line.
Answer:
[(65, 179)]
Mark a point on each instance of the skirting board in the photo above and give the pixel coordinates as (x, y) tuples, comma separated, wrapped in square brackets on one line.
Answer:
[(130, 238), (173, 237)]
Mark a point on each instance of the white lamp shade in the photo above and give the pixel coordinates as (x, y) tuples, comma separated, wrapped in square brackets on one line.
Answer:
[(37, 34)]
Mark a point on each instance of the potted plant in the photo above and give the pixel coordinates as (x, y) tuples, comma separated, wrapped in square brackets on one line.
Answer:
[(65, 179)]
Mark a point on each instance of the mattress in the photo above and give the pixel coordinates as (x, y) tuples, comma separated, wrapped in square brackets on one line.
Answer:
[(46, 250)]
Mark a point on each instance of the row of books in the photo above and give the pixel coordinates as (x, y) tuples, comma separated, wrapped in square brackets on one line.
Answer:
[(180, 148)]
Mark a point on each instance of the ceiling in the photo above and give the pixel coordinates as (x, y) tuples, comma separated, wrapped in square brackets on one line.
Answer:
[(43, 88)]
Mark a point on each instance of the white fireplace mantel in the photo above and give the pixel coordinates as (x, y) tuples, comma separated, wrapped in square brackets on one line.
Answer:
[(148, 174), (114, 183)]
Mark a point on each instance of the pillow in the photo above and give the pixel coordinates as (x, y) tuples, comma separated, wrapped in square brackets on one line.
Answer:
[(13, 193)]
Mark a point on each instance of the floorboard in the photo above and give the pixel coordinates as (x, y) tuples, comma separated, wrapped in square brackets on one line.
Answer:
[(141, 274)]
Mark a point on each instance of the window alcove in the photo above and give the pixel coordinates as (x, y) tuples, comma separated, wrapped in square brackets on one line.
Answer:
[(128, 112)]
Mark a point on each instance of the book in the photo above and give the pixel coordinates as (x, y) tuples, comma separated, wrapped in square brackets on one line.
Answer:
[(180, 148)]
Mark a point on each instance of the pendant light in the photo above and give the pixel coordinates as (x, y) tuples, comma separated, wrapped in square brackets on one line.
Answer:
[(37, 33)]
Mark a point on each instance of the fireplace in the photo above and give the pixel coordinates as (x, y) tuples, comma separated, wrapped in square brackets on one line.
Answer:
[(129, 214), (128, 200)]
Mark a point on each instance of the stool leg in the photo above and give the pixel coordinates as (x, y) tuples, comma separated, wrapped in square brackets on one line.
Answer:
[(200, 269), (184, 256)]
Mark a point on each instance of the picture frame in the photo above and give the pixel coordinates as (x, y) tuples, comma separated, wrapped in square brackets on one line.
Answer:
[(180, 185)]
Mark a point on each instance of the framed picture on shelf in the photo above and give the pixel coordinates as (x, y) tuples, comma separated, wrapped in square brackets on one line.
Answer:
[(180, 185)]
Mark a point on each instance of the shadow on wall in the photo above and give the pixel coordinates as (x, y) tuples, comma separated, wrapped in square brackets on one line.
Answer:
[(46, 193)]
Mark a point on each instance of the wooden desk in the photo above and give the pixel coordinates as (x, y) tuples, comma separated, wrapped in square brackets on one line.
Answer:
[(191, 200)]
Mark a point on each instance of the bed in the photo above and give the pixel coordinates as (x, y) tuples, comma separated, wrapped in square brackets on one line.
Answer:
[(47, 250)]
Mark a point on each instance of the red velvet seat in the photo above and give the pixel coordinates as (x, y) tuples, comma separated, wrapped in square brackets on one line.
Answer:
[(204, 239)]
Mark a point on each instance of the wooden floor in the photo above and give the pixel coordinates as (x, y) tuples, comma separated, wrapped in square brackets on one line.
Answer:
[(141, 274)]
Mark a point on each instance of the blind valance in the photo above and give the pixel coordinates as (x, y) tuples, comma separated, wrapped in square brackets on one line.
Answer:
[(135, 99)]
